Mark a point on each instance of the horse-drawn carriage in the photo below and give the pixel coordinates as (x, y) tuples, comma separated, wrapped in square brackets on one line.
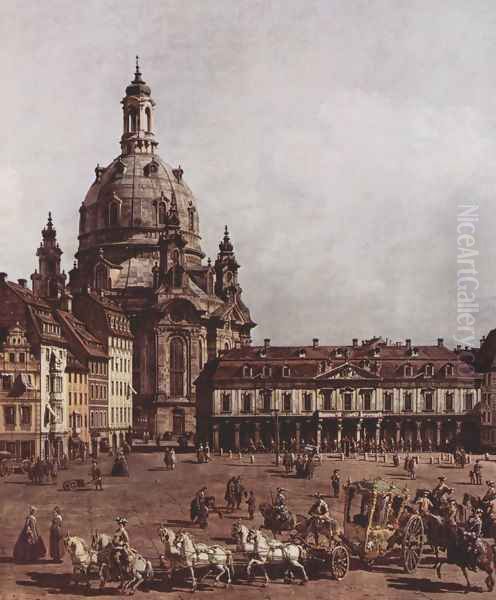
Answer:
[(377, 521)]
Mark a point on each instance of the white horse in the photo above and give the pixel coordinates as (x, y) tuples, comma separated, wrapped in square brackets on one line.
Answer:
[(184, 554), (240, 533), (138, 567), (275, 553), (82, 557)]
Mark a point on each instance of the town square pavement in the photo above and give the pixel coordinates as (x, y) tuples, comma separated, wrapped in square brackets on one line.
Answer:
[(152, 495)]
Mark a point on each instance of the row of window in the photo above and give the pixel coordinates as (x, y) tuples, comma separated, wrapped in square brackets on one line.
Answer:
[(98, 367), (11, 415), (328, 402), (54, 384), (76, 420), (98, 392), (98, 418), (121, 415), (120, 388), (14, 357), (51, 328), (408, 370), (48, 354), (83, 398), (77, 377), (122, 365)]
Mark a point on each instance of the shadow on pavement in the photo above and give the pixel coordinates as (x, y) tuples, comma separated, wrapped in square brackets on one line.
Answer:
[(425, 585)]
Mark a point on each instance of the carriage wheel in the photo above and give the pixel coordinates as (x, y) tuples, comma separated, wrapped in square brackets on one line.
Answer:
[(413, 541), (66, 486), (73, 485), (340, 562)]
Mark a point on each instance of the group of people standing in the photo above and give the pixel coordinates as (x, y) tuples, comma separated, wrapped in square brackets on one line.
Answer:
[(30, 546), (170, 459)]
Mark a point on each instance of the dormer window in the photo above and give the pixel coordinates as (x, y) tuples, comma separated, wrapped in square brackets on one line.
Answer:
[(302, 353), (151, 168), (376, 352), (449, 370), (339, 352), (428, 371), (191, 218), (286, 371), (408, 371), (247, 371), (365, 364), (267, 371)]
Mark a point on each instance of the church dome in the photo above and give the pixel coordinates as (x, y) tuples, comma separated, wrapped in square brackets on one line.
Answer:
[(126, 207)]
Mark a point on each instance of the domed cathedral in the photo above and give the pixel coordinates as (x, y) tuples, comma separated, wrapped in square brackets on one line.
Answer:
[(139, 244)]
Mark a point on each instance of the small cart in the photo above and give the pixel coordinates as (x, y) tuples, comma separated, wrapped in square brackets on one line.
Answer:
[(70, 485)]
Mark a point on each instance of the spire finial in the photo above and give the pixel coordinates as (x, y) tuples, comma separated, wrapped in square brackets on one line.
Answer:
[(137, 64), (50, 222)]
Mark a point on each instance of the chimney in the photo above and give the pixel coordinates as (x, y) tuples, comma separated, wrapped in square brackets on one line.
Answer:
[(22, 282), (355, 342), (266, 344), (440, 342), (408, 344), (315, 342), (3, 277)]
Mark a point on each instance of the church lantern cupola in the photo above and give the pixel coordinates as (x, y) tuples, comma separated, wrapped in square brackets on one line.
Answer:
[(48, 281), (137, 106)]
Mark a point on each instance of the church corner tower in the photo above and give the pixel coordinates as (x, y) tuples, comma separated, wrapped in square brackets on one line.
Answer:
[(48, 281), (139, 247)]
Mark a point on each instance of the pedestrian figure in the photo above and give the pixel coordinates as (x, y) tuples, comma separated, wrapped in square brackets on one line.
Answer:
[(336, 483), (96, 476), (471, 474), (29, 546), (57, 548), (172, 459), (478, 472), (252, 505), (252, 459), (167, 459)]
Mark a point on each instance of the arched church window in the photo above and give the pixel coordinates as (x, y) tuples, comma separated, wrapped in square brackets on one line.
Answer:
[(176, 368), (133, 121), (191, 216), (161, 213), (113, 218), (148, 120)]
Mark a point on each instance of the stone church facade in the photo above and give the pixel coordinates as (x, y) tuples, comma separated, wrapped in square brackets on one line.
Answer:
[(140, 247)]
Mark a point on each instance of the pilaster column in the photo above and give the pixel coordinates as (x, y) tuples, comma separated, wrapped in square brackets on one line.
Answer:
[(438, 433), (378, 431), (318, 434), (298, 435), (358, 433), (216, 437), (257, 433), (340, 431), (418, 435), (237, 427), (398, 432)]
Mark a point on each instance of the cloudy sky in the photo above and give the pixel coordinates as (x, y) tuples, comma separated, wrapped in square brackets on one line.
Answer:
[(336, 139)]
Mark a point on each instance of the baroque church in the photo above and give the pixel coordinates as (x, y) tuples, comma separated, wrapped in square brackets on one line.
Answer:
[(140, 248)]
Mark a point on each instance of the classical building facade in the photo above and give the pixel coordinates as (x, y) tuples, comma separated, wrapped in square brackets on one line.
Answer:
[(139, 248), (414, 395), (486, 363), (20, 407)]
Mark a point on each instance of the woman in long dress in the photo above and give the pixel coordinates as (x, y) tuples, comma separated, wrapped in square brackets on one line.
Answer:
[(57, 549), (29, 546)]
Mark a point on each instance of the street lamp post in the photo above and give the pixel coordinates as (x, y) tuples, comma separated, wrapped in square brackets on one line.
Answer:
[(276, 415)]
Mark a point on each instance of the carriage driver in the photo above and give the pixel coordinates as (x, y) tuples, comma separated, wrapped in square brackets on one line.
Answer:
[(120, 545), (280, 507), (319, 508)]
